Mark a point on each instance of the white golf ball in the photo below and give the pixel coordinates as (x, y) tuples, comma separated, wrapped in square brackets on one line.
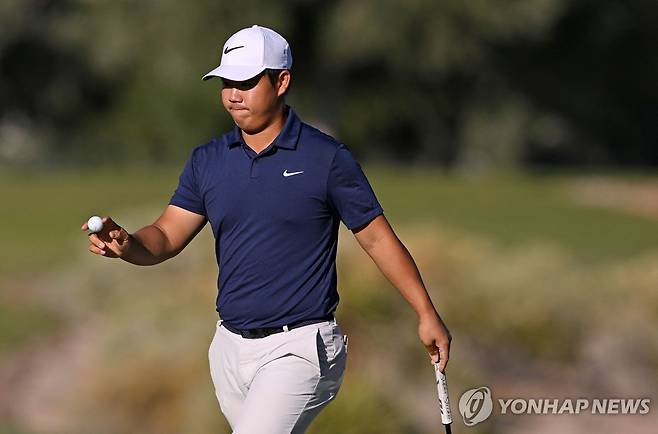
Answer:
[(95, 224)]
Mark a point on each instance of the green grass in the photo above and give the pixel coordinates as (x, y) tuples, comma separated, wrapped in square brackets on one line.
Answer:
[(8, 429), (19, 323), (40, 223), (514, 209), (43, 212)]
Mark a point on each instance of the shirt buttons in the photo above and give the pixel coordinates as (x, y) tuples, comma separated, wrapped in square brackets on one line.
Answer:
[(254, 168)]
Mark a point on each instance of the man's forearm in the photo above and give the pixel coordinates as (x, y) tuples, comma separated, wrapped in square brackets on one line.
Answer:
[(148, 246), (395, 262)]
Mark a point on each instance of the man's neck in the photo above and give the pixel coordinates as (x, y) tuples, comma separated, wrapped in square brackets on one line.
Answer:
[(262, 139)]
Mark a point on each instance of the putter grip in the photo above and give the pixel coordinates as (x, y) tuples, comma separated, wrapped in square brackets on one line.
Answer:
[(444, 400)]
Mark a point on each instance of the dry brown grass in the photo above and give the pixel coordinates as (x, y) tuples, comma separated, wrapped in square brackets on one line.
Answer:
[(638, 196), (527, 321)]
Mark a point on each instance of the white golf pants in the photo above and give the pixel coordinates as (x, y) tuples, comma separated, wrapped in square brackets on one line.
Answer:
[(279, 383)]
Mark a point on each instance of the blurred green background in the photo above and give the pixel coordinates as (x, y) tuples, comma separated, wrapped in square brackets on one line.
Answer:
[(512, 144)]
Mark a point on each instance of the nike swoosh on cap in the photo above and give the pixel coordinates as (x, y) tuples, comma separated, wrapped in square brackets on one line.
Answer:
[(286, 173), (228, 50)]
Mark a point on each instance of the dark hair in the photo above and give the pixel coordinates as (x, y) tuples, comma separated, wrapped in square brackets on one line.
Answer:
[(273, 75)]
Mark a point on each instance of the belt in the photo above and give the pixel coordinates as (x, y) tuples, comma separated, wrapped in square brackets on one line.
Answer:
[(263, 332)]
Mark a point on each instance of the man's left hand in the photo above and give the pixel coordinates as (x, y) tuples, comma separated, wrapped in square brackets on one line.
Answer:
[(435, 336)]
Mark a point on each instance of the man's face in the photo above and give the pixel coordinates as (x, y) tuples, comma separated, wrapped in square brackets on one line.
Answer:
[(251, 103)]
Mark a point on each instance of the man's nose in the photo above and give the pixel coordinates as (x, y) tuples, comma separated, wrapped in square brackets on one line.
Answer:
[(235, 95)]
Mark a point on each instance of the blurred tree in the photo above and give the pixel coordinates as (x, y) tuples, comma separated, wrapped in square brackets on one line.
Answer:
[(598, 72), (475, 84), (47, 89), (415, 76), (498, 82)]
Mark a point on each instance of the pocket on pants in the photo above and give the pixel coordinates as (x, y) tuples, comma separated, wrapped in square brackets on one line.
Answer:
[(214, 356), (332, 358), (330, 346)]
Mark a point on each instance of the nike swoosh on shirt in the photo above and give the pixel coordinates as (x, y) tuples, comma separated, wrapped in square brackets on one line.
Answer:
[(286, 173), (228, 50)]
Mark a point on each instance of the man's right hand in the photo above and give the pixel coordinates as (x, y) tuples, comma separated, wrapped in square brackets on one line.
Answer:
[(152, 244), (112, 241)]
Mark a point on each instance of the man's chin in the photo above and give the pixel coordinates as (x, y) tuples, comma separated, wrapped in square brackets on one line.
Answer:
[(241, 123), (247, 127)]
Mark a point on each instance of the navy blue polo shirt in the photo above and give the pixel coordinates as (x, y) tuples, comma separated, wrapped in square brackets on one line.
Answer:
[(275, 217)]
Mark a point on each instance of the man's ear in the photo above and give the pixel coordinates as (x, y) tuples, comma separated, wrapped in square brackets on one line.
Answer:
[(283, 82)]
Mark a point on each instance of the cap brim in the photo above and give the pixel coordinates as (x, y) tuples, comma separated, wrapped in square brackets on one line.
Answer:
[(234, 72)]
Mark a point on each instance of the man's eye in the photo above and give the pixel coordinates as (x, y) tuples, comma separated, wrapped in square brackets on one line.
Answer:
[(243, 85)]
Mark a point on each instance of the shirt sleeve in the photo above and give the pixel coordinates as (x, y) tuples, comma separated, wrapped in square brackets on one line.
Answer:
[(349, 192), (188, 195)]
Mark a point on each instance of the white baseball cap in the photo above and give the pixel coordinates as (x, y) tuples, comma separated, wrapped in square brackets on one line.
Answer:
[(249, 52)]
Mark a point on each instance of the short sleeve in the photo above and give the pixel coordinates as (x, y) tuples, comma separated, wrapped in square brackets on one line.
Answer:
[(349, 192), (188, 195)]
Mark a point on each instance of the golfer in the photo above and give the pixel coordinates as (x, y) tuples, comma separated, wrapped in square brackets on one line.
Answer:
[(274, 191)]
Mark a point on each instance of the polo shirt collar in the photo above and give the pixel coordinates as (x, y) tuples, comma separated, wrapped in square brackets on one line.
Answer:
[(287, 138)]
